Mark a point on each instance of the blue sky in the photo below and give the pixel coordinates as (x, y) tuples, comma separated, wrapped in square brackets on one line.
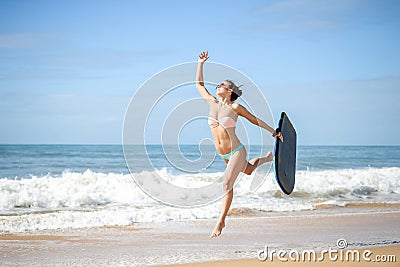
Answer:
[(68, 69)]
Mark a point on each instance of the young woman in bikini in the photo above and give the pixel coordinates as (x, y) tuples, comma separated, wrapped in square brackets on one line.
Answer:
[(223, 116)]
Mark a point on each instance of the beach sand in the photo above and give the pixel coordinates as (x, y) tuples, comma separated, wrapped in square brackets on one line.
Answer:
[(371, 227), (376, 256)]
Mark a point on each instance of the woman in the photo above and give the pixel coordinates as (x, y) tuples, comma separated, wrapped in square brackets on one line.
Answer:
[(222, 120)]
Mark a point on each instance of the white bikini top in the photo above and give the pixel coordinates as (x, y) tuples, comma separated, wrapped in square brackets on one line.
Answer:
[(221, 114)]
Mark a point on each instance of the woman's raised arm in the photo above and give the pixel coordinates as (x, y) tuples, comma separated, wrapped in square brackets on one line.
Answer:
[(199, 77)]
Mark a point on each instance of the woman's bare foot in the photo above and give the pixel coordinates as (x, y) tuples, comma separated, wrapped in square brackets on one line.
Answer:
[(218, 229)]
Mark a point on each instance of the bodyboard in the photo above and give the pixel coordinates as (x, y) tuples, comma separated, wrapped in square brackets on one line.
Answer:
[(285, 155)]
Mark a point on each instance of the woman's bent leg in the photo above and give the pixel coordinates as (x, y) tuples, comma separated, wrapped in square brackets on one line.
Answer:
[(257, 162)]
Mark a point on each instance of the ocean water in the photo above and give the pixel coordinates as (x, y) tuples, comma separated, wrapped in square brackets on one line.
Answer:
[(62, 186)]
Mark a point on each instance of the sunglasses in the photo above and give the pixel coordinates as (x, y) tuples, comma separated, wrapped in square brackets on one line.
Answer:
[(221, 85)]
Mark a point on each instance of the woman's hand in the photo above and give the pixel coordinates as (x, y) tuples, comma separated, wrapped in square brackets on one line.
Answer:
[(278, 135), (203, 57)]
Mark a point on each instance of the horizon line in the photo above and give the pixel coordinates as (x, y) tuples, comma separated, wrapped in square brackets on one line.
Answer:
[(189, 144)]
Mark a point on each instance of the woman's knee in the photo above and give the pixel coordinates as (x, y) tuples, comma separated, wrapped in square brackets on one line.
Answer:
[(249, 169), (248, 172)]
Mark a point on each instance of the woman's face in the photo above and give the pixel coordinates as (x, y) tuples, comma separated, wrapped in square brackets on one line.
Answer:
[(223, 89)]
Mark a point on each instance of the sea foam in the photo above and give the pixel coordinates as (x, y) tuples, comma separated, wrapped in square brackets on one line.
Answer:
[(91, 199)]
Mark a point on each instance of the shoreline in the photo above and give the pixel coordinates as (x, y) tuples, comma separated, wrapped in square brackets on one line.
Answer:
[(188, 242)]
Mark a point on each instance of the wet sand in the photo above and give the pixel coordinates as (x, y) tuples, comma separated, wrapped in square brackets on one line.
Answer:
[(189, 242)]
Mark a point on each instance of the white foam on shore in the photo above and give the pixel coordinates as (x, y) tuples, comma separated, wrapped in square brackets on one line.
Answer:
[(91, 199)]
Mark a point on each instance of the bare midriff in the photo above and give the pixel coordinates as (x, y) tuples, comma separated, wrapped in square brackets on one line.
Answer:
[(225, 140)]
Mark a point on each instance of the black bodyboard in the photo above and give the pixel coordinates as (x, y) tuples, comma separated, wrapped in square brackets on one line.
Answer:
[(285, 155)]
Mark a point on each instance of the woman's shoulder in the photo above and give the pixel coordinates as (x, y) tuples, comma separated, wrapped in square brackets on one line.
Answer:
[(236, 107)]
